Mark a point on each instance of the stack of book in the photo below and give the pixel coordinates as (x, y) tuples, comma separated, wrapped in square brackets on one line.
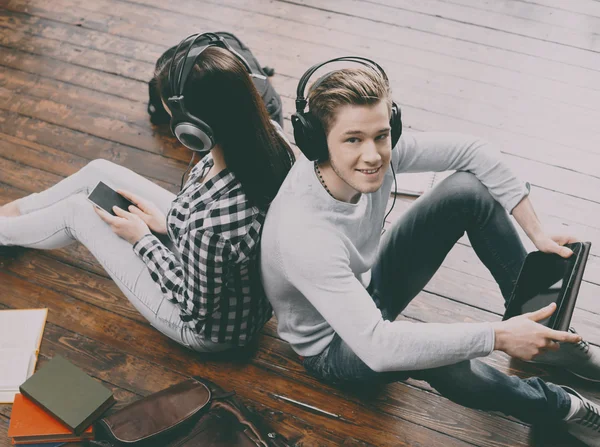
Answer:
[(59, 403)]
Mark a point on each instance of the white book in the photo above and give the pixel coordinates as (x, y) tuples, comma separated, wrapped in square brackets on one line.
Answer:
[(20, 339), (418, 183)]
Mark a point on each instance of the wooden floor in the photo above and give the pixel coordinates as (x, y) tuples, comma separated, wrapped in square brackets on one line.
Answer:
[(523, 74)]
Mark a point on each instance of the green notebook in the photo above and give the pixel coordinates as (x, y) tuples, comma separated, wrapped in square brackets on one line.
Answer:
[(68, 393)]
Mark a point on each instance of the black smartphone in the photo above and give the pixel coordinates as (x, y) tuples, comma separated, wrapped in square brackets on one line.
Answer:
[(547, 278), (105, 197)]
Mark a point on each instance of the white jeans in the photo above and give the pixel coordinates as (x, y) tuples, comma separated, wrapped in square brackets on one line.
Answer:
[(62, 214)]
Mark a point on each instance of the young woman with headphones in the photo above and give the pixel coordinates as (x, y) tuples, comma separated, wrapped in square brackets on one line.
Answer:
[(200, 286)]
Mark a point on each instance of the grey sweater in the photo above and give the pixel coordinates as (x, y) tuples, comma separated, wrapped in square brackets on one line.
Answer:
[(317, 252)]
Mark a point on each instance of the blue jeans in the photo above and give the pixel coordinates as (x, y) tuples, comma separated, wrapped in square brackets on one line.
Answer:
[(411, 252)]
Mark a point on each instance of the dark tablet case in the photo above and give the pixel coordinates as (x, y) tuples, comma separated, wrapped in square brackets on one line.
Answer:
[(566, 304)]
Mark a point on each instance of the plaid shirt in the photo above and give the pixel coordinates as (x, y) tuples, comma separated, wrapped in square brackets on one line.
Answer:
[(213, 276)]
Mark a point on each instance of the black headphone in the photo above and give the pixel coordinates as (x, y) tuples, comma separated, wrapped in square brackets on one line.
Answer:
[(191, 131), (308, 130)]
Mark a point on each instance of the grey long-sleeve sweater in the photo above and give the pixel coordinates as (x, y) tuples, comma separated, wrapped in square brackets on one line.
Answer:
[(317, 252)]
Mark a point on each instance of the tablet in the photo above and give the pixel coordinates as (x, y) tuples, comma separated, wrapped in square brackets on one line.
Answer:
[(105, 197), (547, 278)]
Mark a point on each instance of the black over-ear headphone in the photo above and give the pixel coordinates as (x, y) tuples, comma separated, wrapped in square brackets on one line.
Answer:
[(308, 130), (191, 131)]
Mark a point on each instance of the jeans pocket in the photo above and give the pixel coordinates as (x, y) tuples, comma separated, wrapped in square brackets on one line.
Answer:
[(317, 365)]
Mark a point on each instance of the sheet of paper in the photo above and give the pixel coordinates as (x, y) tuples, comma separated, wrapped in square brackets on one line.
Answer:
[(22, 328), (21, 334), (15, 365)]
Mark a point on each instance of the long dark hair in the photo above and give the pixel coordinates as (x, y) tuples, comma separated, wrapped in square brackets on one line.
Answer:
[(219, 91)]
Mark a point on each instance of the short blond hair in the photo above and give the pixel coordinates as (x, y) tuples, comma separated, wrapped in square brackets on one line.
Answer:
[(354, 86)]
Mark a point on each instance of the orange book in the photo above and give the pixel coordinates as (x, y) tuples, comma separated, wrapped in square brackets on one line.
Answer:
[(30, 424)]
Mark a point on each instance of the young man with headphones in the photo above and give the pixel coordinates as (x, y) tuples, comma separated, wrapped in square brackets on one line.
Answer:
[(337, 285)]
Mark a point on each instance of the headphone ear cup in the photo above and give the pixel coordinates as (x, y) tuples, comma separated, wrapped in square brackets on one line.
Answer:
[(192, 132), (310, 136), (395, 124), (195, 136)]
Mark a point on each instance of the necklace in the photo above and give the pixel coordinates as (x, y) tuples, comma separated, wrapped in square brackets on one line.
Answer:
[(321, 179)]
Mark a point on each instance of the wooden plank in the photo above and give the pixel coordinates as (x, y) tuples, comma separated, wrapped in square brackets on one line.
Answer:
[(91, 123), (582, 209), (536, 148), (130, 377), (452, 285), (513, 119), (450, 282), (522, 23), (77, 55), (516, 117), (461, 30), (141, 341), (393, 38), (168, 170), (411, 37), (542, 176), (95, 295), (585, 7), (104, 294), (556, 14), (313, 21), (4, 439), (48, 159), (36, 86), (51, 275), (73, 74), (588, 292)]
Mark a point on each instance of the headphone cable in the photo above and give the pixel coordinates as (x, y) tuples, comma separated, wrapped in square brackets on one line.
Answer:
[(187, 170), (394, 201)]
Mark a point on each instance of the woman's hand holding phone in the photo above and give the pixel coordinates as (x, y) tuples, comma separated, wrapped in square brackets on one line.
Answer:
[(147, 211), (126, 225)]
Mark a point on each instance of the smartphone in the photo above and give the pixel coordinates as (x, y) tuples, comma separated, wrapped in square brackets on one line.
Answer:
[(547, 278), (105, 197)]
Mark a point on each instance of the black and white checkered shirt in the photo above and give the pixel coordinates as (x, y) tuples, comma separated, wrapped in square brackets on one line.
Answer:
[(213, 276)]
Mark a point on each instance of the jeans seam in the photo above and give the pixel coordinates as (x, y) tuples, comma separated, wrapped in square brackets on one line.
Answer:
[(46, 238), (491, 249), (75, 192)]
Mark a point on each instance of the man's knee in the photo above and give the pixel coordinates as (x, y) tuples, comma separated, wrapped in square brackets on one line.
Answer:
[(467, 189)]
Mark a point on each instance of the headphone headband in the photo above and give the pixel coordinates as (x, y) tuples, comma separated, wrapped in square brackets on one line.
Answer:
[(214, 40), (301, 100), (190, 130)]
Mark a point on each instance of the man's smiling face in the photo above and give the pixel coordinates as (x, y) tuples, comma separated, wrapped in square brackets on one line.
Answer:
[(359, 149)]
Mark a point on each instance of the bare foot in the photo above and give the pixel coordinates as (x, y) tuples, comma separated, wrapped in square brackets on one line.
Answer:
[(9, 210)]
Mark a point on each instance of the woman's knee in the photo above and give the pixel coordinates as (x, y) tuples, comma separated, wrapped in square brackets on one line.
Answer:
[(98, 166), (89, 176), (77, 206)]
